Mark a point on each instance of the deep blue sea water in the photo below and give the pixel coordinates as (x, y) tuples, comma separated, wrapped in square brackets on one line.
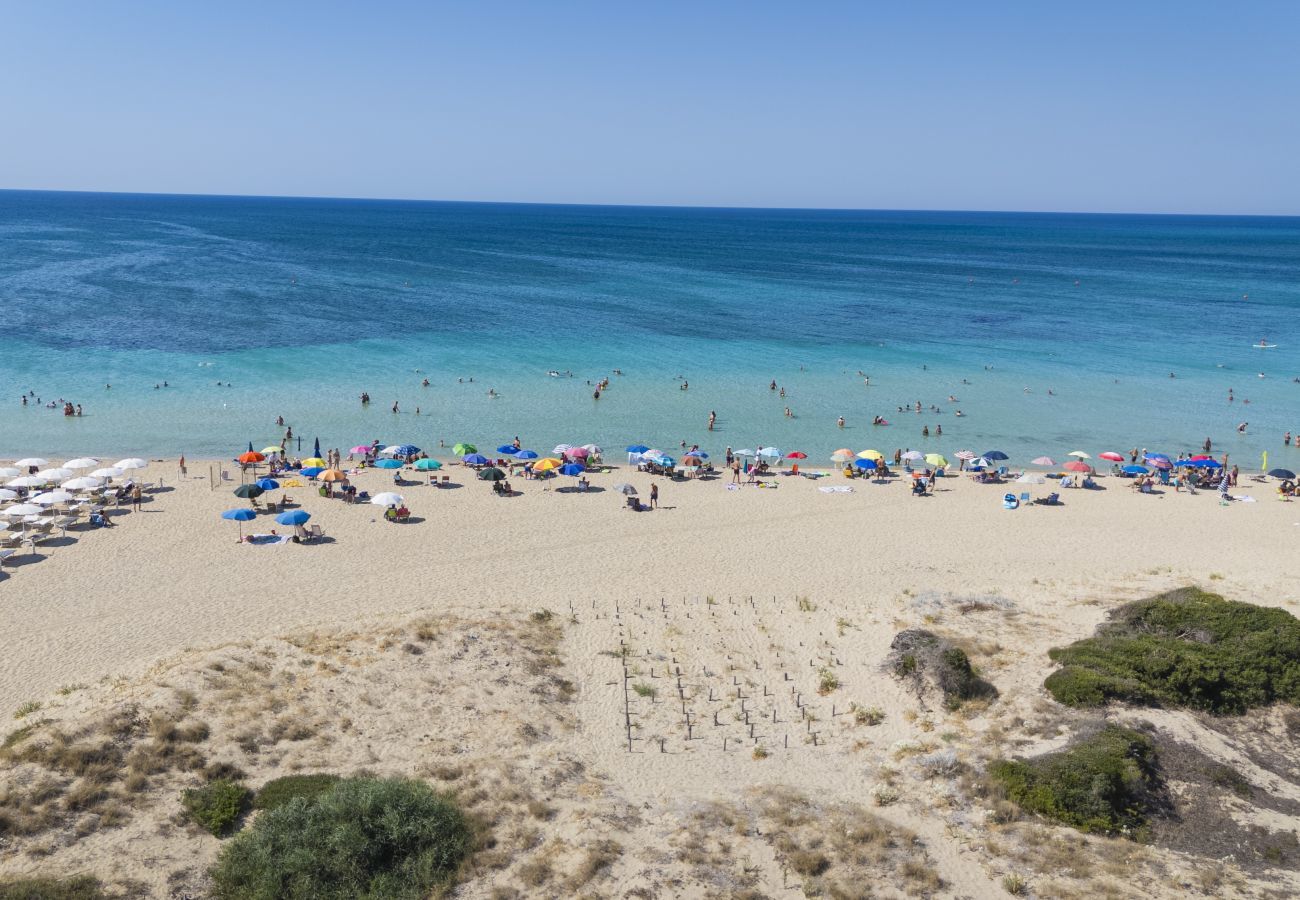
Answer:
[(301, 305)]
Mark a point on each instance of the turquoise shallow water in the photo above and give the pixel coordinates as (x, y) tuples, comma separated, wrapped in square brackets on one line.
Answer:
[(299, 305)]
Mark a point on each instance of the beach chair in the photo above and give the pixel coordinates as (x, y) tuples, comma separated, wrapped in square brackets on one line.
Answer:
[(1049, 500), (5, 554), (918, 488), (446, 479), (1024, 498), (314, 532)]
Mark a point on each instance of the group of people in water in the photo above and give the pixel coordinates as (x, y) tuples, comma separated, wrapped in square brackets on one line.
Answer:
[(69, 408)]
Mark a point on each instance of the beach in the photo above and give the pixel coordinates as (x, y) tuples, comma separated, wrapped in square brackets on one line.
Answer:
[(775, 584)]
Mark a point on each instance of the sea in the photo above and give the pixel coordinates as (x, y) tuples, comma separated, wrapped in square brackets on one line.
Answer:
[(190, 324)]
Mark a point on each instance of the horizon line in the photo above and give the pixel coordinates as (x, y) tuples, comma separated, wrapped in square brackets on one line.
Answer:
[(659, 206)]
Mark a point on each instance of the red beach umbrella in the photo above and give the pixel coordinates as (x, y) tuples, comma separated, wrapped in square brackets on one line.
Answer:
[(1078, 466), (251, 456), (796, 454), (1112, 456)]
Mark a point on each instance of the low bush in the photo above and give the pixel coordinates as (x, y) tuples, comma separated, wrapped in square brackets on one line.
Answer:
[(78, 887), (1186, 648), (384, 839), (1105, 782), (929, 661), (217, 805), (278, 792)]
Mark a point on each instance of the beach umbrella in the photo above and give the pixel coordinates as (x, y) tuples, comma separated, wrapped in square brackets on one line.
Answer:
[(637, 448), (978, 462), (964, 454), (249, 491), (241, 516), (474, 459), (361, 448), (842, 456), (561, 449), (23, 509), (427, 465), (692, 460), (310, 471), (1044, 461), (1077, 466), (107, 472), (1079, 454), (572, 469), (545, 465), (402, 450), (1284, 474), (293, 517), (624, 489), (592, 449), (577, 453), (333, 475), (492, 473), (769, 452), (32, 461), (387, 498), (316, 449), (909, 456), (314, 462), (936, 460), (271, 450), (876, 454), (268, 484), (1111, 456), (865, 464), (130, 462), (794, 454), (1157, 456), (6, 494), (252, 457), (10, 472), (745, 452), (526, 454), (55, 474), (1160, 462), (994, 454), (386, 464), (1209, 464), (507, 448), (1135, 470), (81, 462), (51, 497), (1031, 478), (27, 481), (462, 449)]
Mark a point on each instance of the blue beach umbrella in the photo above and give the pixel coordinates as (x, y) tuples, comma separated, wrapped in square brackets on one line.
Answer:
[(864, 463), (507, 449), (317, 453), (1135, 470), (994, 454), (1210, 464), (388, 464), (637, 448), (268, 484), (427, 465), (474, 459), (401, 450), (311, 471), (241, 516), (1157, 456), (526, 454), (1284, 474), (573, 469), (293, 517)]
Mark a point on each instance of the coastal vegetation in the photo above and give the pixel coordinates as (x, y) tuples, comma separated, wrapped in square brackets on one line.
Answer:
[(930, 662), (217, 805), (1105, 782), (279, 791), (1186, 648), (387, 838)]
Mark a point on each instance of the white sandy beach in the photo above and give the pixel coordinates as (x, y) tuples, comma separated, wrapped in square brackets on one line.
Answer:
[(127, 609)]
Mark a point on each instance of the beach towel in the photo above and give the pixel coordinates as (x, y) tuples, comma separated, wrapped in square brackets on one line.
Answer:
[(836, 489), (733, 487), (265, 540), (1243, 498)]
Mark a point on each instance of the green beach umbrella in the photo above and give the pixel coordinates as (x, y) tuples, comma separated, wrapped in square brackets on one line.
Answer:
[(464, 449), (491, 473), (427, 465)]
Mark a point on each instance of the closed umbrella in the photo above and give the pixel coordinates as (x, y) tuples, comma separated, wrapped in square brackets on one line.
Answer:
[(241, 516), (315, 451), (387, 498)]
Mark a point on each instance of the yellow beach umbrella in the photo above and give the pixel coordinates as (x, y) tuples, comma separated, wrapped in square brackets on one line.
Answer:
[(936, 460), (267, 451), (547, 464), (871, 454), (313, 462), (332, 475)]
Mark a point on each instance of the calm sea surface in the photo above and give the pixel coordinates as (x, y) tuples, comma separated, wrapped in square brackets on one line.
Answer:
[(297, 306)]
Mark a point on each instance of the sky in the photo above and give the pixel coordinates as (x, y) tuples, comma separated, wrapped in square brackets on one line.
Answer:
[(1187, 107)]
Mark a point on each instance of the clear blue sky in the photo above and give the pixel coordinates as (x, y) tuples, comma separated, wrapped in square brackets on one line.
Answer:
[(1106, 106)]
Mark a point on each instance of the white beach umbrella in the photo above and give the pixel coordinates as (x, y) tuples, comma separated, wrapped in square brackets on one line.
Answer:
[(10, 472), (1079, 453), (107, 472), (387, 498), (388, 451), (57, 474), (49, 498), (84, 483), (27, 481), (561, 449), (593, 449), (1031, 478), (745, 452), (6, 494), (81, 462), (130, 463), (911, 455), (32, 461), (23, 509), (770, 452)]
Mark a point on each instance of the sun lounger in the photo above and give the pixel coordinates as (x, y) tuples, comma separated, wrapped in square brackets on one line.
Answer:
[(1050, 500), (5, 554), (314, 532)]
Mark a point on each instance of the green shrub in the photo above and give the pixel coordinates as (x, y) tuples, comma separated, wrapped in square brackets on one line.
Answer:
[(280, 791), (217, 805), (930, 662), (384, 839), (1185, 648), (78, 887), (1106, 782)]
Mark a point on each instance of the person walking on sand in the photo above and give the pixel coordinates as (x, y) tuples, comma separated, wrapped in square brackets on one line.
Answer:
[(735, 471), (181, 465), (135, 497), (654, 496)]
